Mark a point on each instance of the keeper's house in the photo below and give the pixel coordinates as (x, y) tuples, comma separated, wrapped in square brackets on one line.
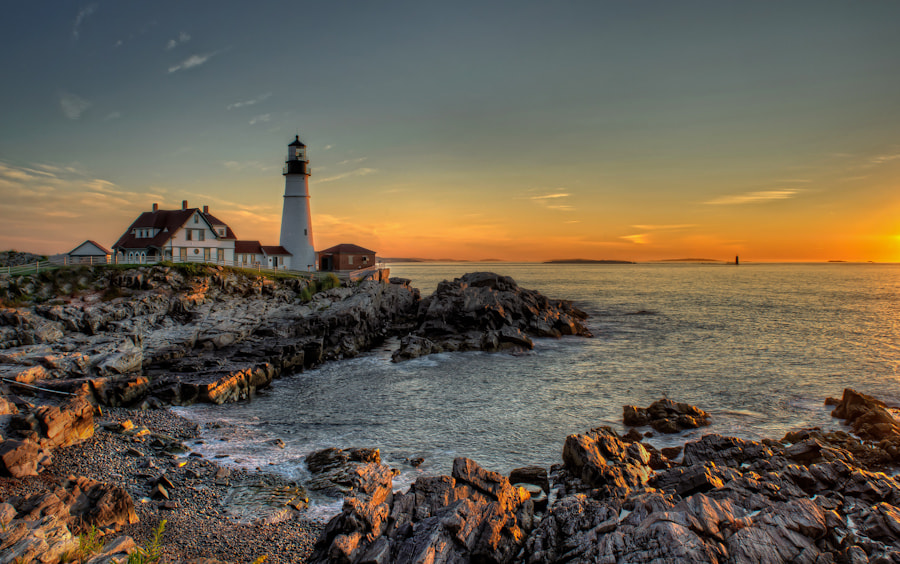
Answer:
[(188, 234)]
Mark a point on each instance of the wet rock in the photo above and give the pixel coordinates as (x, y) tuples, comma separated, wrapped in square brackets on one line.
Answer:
[(666, 416), (485, 311), (474, 515), (869, 418)]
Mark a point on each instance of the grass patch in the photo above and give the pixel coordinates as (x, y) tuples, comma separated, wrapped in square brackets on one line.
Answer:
[(151, 553)]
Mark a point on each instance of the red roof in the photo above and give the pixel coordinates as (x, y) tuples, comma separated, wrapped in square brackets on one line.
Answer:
[(346, 248), (275, 250), (247, 247), (168, 222)]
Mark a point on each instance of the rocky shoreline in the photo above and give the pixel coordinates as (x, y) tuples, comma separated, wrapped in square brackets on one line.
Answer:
[(72, 462)]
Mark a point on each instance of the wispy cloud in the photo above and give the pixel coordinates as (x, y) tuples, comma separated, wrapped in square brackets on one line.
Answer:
[(112, 116), (357, 172), (754, 197), (639, 239), (327, 147), (553, 201), (65, 202), (353, 161), (665, 227), (242, 166), (262, 118), (182, 38), (250, 102), (73, 106), (83, 14), (191, 62), (881, 159)]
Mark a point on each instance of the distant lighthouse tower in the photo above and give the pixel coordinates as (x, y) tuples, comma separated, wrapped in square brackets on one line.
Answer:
[(296, 223)]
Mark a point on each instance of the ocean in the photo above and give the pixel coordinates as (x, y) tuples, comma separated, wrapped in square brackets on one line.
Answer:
[(759, 346)]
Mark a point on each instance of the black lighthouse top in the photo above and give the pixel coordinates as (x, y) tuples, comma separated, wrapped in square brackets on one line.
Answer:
[(296, 163)]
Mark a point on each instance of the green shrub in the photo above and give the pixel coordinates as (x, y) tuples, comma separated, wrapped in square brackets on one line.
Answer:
[(152, 553)]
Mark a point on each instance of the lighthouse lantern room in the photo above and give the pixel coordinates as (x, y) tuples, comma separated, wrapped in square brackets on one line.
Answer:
[(296, 222)]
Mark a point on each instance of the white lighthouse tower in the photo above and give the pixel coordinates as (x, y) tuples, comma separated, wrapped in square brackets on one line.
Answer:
[(296, 223)]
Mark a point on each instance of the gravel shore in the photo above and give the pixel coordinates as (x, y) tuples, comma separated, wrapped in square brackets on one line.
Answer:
[(211, 511)]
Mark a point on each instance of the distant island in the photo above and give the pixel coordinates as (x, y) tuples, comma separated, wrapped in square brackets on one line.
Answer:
[(588, 261)]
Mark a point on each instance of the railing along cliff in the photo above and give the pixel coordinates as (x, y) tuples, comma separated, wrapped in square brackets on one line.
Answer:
[(64, 261)]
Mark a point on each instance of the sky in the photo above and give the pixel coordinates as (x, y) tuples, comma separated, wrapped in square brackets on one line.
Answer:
[(525, 131)]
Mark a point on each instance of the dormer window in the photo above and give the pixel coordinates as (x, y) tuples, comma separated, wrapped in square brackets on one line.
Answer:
[(196, 219)]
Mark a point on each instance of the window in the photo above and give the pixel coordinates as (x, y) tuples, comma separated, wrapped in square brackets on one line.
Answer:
[(196, 219), (305, 232), (201, 235), (365, 258), (222, 231), (189, 234), (349, 259)]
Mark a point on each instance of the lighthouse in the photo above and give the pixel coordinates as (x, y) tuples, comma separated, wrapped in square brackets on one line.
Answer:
[(296, 223)]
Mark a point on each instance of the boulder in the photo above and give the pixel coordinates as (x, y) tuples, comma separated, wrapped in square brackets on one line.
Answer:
[(666, 416)]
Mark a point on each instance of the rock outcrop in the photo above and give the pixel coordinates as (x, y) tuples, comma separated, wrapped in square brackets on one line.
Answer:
[(474, 515), (806, 498), (487, 312), (666, 416), (182, 335)]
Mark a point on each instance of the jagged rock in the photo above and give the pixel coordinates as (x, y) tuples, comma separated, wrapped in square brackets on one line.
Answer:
[(599, 459), (21, 458), (81, 503), (869, 418), (666, 416), (485, 311), (334, 470), (474, 515)]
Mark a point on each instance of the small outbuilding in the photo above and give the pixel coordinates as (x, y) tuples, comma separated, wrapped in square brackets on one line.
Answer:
[(345, 257), (89, 252)]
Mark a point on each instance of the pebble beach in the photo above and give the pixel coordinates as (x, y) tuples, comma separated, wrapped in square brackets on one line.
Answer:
[(201, 518)]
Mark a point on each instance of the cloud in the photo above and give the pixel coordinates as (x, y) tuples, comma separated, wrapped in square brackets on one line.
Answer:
[(327, 147), (753, 197), (353, 161), (241, 166), (112, 115), (664, 227), (79, 19), (260, 119), (551, 201), (250, 102), (73, 106), (173, 43), (881, 159), (49, 208), (357, 172), (639, 239), (191, 62)]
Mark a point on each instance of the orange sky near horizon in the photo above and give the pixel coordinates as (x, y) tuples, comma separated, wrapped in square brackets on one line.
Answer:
[(520, 131)]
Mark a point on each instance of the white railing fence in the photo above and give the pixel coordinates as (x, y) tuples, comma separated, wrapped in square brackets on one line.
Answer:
[(66, 261)]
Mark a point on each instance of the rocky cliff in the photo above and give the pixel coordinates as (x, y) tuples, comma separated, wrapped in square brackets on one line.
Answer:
[(185, 335)]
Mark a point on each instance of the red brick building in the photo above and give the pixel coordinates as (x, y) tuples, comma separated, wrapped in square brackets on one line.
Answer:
[(345, 257)]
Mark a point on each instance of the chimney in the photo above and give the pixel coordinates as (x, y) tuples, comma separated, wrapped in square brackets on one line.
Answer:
[(155, 207), (184, 204), (205, 209)]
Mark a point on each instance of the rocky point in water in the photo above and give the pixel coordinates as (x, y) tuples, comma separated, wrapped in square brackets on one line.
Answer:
[(487, 312), (666, 416)]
